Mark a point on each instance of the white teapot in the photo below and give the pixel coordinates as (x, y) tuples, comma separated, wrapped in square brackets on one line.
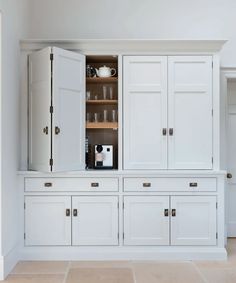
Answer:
[(105, 72)]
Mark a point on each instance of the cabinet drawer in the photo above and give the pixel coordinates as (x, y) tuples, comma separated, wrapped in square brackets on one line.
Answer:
[(71, 184), (169, 184)]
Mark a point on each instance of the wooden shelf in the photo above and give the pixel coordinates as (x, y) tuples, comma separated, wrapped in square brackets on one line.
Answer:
[(102, 102), (98, 80), (102, 125)]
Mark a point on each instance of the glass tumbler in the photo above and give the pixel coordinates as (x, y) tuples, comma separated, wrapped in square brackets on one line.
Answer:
[(96, 117), (105, 116), (111, 93), (114, 116), (104, 92)]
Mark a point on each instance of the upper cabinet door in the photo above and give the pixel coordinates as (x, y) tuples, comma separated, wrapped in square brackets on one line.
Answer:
[(145, 112), (39, 114), (68, 100), (190, 112)]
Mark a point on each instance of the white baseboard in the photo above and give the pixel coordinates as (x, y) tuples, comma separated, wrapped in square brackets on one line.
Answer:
[(127, 253), (231, 227), (8, 262)]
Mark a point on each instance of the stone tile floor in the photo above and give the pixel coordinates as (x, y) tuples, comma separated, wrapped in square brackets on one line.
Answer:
[(128, 271)]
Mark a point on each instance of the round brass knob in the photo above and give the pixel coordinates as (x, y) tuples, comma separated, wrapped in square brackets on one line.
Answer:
[(229, 175)]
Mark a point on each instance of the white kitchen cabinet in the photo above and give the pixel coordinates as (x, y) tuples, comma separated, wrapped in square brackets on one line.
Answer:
[(145, 112), (193, 220), (186, 141), (146, 220), (47, 221), (95, 220), (190, 112), (56, 110)]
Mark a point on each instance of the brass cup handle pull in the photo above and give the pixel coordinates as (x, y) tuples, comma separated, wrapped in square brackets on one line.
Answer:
[(94, 185), (193, 185), (47, 185), (75, 212), (67, 212), (171, 131), (146, 185), (166, 212), (173, 212), (45, 130), (57, 130), (164, 132)]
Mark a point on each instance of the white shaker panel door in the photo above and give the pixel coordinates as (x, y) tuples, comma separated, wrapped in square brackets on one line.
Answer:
[(190, 112), (145, 112), (68, 99), (193, 220), (95, 220), (146, 220), (39, 110), (47, 221)]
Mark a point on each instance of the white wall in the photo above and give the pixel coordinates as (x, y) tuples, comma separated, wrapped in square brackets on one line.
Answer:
[(14, 27), (170, 19)]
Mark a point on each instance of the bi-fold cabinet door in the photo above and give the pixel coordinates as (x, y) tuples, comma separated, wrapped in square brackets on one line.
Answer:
[(56, 110), (164, 220), (66, 220), (167, 112)]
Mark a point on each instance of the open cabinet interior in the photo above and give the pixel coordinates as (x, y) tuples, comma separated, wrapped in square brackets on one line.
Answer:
[(101, 112)]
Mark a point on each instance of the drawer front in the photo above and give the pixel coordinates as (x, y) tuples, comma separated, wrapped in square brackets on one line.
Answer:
[(71, 184), (170, 184)]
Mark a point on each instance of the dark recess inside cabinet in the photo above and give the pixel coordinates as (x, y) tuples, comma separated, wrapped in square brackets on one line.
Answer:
[(102, 111)]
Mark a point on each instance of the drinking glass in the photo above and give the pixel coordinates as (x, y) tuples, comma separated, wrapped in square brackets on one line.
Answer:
[(96, 117), (104, 91), (88, 117), (88, 95), (111, 92), (114, 116), (105, 116)]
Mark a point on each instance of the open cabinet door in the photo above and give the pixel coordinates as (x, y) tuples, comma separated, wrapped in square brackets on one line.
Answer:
[(68, 100), (39, 110)]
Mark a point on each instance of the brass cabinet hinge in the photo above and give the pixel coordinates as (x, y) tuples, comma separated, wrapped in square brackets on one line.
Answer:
[(51, 109), (51, 56), (24, 205), (216, 205), (24, 236), (216, 235), (118, 205)]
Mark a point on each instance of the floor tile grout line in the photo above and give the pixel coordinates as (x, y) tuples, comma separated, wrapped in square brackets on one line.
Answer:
[(67, 271), (199, 272)]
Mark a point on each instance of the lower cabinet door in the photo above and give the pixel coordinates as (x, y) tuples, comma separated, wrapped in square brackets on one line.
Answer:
[(47, 220), (95, 220), (146, 220), (193, 220)]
